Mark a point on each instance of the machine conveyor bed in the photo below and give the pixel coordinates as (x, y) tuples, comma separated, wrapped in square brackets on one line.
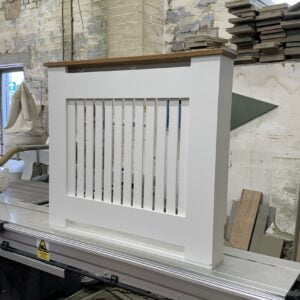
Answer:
[(242, 275)]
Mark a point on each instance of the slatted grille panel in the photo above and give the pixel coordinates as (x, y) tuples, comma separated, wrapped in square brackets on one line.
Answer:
[(129, 152)]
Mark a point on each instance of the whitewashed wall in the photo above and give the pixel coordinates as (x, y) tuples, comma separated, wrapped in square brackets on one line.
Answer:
[(274, 134)]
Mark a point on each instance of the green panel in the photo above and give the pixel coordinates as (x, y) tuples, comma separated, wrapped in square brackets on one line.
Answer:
[(245, 109)]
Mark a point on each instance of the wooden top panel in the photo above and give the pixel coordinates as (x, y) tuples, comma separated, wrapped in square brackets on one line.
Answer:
[(135, 60)]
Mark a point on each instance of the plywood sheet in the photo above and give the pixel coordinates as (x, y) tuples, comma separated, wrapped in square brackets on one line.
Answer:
[(245, 219)]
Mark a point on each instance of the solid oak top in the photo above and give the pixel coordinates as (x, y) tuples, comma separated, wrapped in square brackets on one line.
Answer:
[(145, 59)]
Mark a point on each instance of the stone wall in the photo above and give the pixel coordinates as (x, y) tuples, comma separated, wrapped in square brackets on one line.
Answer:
[(189, 17), (31, 34)]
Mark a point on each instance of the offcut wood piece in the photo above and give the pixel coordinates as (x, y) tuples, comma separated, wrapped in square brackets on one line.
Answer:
[(272, 58), (242, 40), (292, 15), (291, 24), (265, 32), (269, 45), (240, 30), (204, 38), (242, 11), (245, 59), (272, 36), (293, 38), (260, 227), (268, 28), (237, 4), (269, 15), (244, 51), (293, 32), (292, 51), (268, 22), (231, 219), (245, 219), (250, 19), (248, 14), (281, 6), (292, 44), (271, 246)]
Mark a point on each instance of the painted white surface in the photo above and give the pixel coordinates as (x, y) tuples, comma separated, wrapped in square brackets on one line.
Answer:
[(275, 134), (198, 230)]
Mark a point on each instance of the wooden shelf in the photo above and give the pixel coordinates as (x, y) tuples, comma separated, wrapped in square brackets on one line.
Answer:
[(141, 60)]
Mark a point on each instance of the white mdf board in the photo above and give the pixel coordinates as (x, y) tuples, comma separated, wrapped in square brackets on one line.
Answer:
[(159, 139)]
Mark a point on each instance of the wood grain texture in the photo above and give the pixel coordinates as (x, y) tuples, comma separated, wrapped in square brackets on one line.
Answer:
[(138, 60), (245, 219)]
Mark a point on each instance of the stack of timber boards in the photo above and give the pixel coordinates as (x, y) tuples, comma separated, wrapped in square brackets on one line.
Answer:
[(244, 34), (272, 34), (248, 220), (291, 24), (198, 42)]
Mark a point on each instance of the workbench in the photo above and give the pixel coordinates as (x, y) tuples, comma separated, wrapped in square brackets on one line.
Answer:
[(242, 275)]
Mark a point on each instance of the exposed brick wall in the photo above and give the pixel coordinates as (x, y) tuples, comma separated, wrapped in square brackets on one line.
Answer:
[(125, 27), (135, 27)]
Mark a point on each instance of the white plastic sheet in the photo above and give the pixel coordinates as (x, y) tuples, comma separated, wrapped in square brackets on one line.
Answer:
[(24, 125)]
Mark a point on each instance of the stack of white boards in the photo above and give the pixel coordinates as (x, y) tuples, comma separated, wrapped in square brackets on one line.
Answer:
[(272, 34), (244, 34), (291, 24)]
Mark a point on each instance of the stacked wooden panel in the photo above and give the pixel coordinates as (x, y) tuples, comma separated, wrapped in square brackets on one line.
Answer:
[(198, 42), (272, 34), (291, 24), (244, 34)]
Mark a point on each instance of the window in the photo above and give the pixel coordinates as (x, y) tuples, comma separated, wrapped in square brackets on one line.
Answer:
[(10, 79)]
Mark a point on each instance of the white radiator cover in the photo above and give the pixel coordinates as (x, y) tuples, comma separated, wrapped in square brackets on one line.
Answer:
[(141, 156)]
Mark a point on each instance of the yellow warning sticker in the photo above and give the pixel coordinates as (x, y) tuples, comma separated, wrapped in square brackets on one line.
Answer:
[(43, 250)]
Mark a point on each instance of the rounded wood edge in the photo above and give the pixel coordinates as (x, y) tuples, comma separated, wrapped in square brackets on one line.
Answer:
[(146, 59)]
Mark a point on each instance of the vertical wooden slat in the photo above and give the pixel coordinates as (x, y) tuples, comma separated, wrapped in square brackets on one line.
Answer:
[(172, 156), (138, 152), (117, 151), (108, 151), (160, 155), (98, 149), (127, 183), (80, 148), (71, 154), (89, 150), (182, 155), (148, 159)]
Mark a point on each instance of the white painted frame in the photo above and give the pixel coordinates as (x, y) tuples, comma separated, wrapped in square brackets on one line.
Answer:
[(198, 234)]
